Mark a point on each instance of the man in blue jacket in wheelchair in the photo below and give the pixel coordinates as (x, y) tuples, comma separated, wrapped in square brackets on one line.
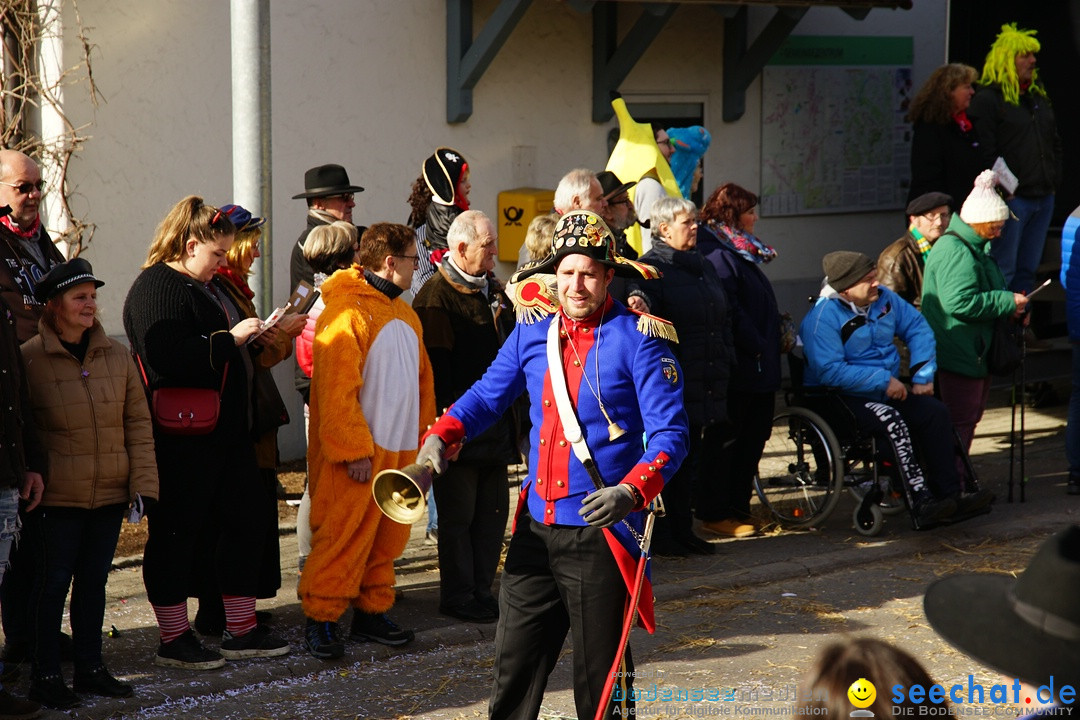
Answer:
[(848, 342)]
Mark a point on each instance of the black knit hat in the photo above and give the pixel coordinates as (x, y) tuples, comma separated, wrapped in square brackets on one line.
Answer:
[(442, 173), (845, 268), (65, 275)]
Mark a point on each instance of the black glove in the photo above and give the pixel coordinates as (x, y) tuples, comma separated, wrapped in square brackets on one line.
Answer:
[(432, 453), (607, 506)]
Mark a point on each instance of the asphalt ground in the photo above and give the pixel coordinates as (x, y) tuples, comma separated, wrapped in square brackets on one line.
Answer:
[(746, 621)]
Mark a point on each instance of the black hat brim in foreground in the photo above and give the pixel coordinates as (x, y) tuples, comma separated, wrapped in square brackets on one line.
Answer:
[(976, 615)]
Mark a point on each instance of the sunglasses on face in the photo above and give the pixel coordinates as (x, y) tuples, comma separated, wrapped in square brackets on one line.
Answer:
[(27, 187)]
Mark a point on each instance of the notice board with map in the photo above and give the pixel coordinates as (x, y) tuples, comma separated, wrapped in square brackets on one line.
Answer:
[(833, 134)]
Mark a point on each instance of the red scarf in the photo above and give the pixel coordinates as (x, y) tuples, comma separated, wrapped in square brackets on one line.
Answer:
[(238, 280), (26, 234), (961, 119)]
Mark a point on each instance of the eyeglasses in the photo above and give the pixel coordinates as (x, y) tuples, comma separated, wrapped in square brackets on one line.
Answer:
[(27, 187), (411, 258), (345, 197), (938, 216), (624, 201)]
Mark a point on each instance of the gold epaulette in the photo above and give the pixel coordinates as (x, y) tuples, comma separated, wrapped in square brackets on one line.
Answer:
[(534, 299), (654, 326)]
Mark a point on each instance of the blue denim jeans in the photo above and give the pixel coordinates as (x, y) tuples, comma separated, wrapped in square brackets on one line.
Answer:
[(1072, 428), (1019, 250), (76, 549)]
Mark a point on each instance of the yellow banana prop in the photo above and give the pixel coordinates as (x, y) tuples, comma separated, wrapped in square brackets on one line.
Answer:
[(635, 156)]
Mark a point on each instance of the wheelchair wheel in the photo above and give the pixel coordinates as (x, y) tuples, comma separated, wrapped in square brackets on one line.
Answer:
[(892, 503), (868, 520), (800, 474)]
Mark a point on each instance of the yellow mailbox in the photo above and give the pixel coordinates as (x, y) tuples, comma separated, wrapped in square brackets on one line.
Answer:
[(517, 208)]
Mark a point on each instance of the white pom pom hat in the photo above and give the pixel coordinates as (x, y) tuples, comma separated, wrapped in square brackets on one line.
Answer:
[(984, 204)]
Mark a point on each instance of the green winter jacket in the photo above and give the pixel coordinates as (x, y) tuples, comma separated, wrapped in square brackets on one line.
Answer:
[(963, 293)]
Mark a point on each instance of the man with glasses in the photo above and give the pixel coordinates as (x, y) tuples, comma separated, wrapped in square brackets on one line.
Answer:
[(26, 254), (330, 197), (900, 265), (466, 316), (26, 250), (619, 215)]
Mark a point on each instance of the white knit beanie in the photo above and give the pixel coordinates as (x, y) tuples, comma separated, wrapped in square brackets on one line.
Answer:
[(984, 205)]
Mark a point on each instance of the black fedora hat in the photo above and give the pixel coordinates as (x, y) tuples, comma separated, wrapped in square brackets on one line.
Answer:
[(67, 274), (327, 181), (612, 185), (583, 232), (1026, 627)]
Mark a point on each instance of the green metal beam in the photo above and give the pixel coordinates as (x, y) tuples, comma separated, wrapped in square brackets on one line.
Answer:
[(467, 59), (613, 61)]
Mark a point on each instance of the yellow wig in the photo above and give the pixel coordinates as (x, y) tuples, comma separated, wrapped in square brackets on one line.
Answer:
[(1000, 66)]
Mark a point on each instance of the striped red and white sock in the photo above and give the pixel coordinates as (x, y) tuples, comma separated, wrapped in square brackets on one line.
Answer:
[(172, 621), (239, 614)]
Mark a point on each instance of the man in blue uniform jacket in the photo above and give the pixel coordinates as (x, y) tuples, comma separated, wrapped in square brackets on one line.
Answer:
[(575, 545)]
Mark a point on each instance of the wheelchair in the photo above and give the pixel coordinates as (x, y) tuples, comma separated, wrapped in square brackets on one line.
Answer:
[(816, 451)]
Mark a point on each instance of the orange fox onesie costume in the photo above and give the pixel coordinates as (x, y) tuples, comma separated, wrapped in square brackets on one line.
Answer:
[(372, 395)]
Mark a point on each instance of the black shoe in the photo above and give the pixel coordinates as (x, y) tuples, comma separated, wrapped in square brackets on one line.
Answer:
[(16, 654), (188, 653), (378, 627), (258, 643), (50, 691), (696, 545), (929, 512), (13, 708), (100, 681), (470, 611), (971, 503), (322, 640)]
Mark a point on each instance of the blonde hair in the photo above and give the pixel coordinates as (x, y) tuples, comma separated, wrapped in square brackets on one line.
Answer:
[(933, 102), (242, 251), (189, 218), (1000, 66), (539, 235), (331, 247)]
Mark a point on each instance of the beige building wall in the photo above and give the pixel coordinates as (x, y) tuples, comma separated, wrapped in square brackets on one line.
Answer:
[(362, 83)]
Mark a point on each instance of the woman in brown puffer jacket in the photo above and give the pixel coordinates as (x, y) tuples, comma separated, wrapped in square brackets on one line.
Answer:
[(90, 408)]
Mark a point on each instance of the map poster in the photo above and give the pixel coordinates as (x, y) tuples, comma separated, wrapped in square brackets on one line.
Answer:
[(833, 134)]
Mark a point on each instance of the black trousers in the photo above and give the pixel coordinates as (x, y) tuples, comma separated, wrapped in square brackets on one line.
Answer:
[(473, 501), (73, 544), (558, 579), (917, 428), (209, 515), (732, 454)]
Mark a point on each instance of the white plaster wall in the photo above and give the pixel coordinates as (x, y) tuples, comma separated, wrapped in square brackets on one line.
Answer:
[(362, 84)]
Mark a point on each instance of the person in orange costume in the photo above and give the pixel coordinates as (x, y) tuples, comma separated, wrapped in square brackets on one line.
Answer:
[(372, 396)]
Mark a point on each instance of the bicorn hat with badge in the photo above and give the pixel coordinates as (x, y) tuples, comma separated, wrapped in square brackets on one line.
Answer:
[(1026, 627), (442, 173), (63, 276), (579, 232), (327, 181)]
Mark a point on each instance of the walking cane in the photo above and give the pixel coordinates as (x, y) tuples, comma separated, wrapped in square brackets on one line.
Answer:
[(1023, 408), (1012, 436), (631, 611)]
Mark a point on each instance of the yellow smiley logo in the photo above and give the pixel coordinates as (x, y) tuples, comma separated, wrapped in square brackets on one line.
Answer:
[(862, 693)]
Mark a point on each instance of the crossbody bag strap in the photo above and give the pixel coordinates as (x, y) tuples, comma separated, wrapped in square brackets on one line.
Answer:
[(571, 426), (146, 383)]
